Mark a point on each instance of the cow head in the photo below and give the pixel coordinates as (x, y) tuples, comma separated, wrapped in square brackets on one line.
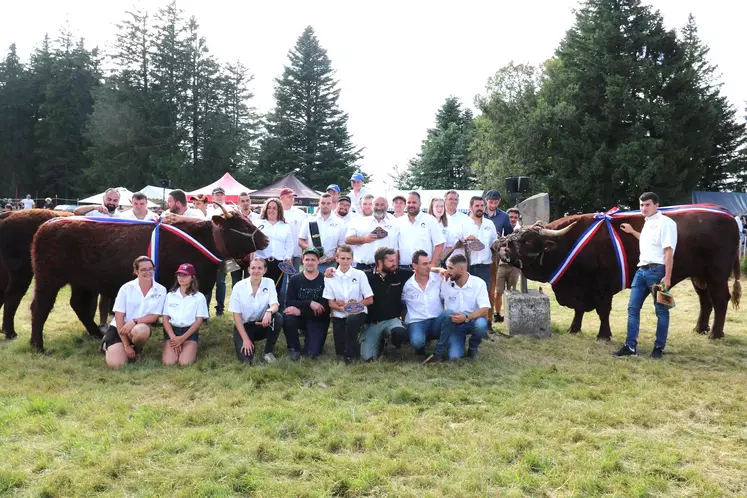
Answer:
[(236, 236), (526, 249)]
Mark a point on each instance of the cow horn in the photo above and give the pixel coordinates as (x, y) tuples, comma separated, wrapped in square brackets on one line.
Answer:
[(547, 232), (222, 208)]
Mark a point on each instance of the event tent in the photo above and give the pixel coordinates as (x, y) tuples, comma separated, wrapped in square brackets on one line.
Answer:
[(736, 202), (229, 184), (125, 198), (156, 193), (427, 195), (304, 195)]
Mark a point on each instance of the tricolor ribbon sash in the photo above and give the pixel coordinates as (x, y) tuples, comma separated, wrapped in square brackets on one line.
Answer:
[(155, 236), (617, 245)]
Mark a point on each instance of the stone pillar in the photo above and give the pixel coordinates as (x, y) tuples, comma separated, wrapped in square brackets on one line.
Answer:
[(528, 314)]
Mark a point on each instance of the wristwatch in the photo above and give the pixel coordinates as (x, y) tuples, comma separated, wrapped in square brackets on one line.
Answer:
[(466, 318)]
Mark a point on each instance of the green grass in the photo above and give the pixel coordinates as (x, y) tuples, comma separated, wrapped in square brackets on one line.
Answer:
[(554, 417)]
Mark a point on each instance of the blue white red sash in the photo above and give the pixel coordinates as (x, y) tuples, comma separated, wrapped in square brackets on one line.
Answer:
[(155, 236), (617, 245)]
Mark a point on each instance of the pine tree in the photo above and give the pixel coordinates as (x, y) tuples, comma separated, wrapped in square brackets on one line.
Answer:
[(444, 160), (307, 132)]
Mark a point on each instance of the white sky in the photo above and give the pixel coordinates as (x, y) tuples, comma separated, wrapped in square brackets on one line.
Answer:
[(396, 61)]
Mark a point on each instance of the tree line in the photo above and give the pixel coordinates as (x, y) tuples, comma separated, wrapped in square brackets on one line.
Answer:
[(623, 106), (159, 105)]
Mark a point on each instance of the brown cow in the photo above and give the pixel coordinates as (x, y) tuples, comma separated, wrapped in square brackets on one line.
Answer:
[(96, 258), (707, 252), (17, 229)]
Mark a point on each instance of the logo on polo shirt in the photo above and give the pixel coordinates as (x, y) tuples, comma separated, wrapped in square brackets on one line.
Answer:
[(354, 280), (260, 227), (264, 290), (422, 225)]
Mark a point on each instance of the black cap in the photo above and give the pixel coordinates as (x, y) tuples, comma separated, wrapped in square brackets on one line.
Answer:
[(492, 195), (344, 198)]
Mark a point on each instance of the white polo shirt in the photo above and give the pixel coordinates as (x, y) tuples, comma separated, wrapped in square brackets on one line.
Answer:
[(131, 301), (346, 286), (355, 199), (96, 214), (130, 215), (364, 225), (295, 218), (252, 308), (487, 235), (27, 203), (331, 232), (281, 244), (194, 213), (422, 305), (658, 233), (184, 310), (467, 299), (424, 233)]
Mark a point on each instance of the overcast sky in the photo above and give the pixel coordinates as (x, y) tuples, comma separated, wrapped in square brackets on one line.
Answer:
[(396, 61)]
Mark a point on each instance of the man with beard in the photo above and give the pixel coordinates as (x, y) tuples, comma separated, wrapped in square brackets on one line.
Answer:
[(384, 322), (343, 210), (107, 210), (467, 310), (323, 232), (481, 229), (360, 234), (139, 209), (418, 230), (506, 275), (499, 218)]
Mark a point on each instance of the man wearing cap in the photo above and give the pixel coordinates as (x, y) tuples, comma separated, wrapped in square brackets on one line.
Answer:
[(323, 232), (48, 204), (295, 218), (499, 218), (219, 196), (334, 191), (358, 191), (399, 202), (418, 230), (360, 234), (342, 211)]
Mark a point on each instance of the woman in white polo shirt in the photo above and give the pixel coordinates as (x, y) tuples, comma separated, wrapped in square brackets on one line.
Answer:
[(273, 225), (183, 315), (254, 304), (138, 305)]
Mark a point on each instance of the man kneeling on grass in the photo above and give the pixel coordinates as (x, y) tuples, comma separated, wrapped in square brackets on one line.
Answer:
[(467, 310), (139, 304)]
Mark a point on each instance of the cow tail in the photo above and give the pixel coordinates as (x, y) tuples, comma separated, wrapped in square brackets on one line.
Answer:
[(736, 291)]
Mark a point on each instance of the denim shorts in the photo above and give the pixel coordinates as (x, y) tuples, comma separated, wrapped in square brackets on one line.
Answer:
[(179, 331)]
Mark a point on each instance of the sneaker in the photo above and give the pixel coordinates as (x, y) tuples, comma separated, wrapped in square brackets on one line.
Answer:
[(495, 316), (218, 312), (269, 358), (657, 353), (348, 360), (500, 318), (626, 351), (295, 355)]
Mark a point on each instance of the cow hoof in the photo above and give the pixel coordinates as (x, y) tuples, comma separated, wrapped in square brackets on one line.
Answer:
[(703, 331), (604, 338), (98, 334), (573, 331), (38, 349), (715, 337), (10, 335)]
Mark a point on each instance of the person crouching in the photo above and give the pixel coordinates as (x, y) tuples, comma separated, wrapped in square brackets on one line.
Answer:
[(138, 305), (183, 315), (254, 305)]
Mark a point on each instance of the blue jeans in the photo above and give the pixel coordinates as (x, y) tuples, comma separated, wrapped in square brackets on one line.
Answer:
[(640, 289), (284, 283), (482, 272), (315, 333), (424, 331), (220, 289), (375, 332), (454, 335)]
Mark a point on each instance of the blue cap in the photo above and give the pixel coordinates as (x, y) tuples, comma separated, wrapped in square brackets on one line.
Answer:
[(334, 187), (357, 177)]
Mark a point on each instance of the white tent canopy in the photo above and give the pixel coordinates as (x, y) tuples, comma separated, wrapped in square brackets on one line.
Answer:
[(125, 198), (155, 193)]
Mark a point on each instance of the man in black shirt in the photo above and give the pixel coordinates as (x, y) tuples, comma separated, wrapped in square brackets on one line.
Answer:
[(306, 309), (385, 314)]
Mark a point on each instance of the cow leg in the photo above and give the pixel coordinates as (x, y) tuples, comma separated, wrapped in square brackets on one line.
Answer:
[(578, 318), (604, 308), (706, 306), (719, 293), (105, 307), (45, 296), (17, 287), (83, 302)]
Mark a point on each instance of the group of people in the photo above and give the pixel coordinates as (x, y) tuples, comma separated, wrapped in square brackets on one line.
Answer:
[(380, 279), (27, 203)]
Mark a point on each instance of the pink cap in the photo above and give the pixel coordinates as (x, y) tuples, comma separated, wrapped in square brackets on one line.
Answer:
[(186, 269)]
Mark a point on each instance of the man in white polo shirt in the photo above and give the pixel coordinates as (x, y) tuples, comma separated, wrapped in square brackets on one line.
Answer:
[(323, 232), (657, 241), (360, 232), (139, 209), (294, 217), (418, 230), (467, 311), (482, 229), (107, 210), (422, 297)]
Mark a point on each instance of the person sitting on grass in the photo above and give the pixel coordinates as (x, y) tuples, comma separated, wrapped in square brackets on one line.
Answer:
[(467, 311), (138, 305), (183, 315), (254, 304), (306, 309), (348, 285)]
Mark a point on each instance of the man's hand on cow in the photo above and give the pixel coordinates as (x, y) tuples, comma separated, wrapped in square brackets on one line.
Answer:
[(169, 217), (317, 308), (292, 310), (625, 227), (101, 209), (458, 318)]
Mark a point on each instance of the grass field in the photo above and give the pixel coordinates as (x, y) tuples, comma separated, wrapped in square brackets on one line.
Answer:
[(557, 417)]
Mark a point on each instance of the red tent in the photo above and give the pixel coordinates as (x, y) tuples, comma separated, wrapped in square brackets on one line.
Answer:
[(229, 184)]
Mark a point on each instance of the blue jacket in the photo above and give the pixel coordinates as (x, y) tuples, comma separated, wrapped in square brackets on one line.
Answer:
[(502, 223)]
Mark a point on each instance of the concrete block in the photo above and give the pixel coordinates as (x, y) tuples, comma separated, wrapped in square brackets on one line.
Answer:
[(534, 209), (528, 314)]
